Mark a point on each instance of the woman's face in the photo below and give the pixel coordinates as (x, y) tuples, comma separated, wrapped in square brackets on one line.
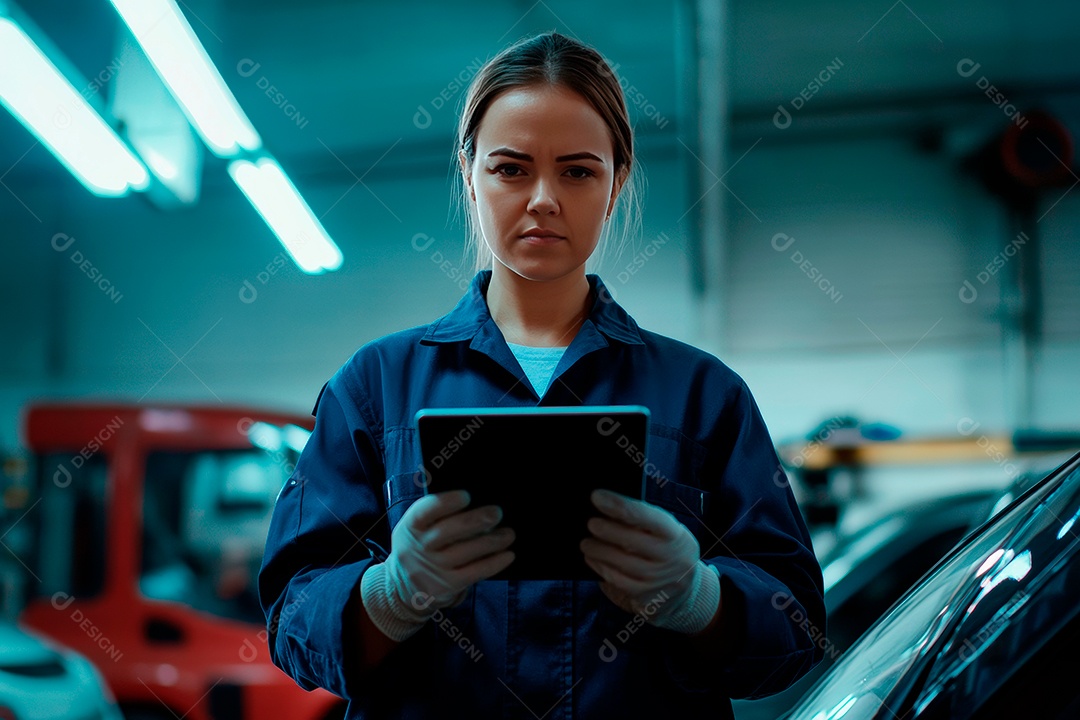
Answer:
[(543, 160)]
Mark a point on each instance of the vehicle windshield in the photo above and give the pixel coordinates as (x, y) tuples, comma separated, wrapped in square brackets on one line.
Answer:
[(65, 533), (205, 519), (867, 674), (1024, 587)]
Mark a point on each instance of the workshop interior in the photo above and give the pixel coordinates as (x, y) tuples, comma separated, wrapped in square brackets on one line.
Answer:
[(868, 211)]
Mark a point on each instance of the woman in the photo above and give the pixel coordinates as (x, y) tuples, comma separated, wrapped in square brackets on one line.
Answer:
[(710, 589)]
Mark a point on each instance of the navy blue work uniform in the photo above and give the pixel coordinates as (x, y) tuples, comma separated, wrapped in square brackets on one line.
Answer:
[(551, 649)]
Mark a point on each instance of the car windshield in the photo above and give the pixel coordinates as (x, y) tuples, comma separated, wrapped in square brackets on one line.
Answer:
[(867, 674), (1024, 580), (205, 518), (65, 536)]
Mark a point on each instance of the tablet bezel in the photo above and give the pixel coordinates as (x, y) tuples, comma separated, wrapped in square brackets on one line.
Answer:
[(465, 414)]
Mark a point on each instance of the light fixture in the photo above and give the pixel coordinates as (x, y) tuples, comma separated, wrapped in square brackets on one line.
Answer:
[(180, 59), (175, 52), (34, 90), (284, 210)]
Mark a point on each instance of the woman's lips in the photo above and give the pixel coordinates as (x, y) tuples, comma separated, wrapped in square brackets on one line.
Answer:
[(542, 239)]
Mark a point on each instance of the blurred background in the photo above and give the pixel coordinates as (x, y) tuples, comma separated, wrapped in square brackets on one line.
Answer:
[(867, 210)]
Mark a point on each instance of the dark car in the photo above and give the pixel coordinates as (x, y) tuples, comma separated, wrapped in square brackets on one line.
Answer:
[(1031, 474), (866, 571), (989, 633)]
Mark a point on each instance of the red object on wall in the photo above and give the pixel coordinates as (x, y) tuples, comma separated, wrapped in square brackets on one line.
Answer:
[(1039, 153)]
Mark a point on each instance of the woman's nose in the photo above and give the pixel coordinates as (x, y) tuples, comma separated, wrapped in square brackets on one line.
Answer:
[(543, 198)]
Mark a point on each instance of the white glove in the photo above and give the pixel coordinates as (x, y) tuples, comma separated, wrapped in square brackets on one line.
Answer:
[(437, 551), (650, 564)]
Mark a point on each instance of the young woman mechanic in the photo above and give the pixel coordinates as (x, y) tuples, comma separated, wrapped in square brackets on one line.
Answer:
[(379, 593)]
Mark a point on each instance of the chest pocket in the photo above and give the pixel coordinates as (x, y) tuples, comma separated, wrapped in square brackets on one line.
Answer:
[(687, 503), (405, 481), (673, 480), (399, 492)]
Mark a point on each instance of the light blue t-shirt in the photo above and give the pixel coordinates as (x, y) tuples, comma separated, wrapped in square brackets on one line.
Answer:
[(538, 363)]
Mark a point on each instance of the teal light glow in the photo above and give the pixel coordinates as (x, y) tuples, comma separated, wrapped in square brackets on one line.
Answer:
[(181, 61), (284, 210), (43, 100)]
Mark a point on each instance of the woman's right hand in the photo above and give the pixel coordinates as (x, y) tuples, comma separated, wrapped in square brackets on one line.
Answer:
[(438, 550)]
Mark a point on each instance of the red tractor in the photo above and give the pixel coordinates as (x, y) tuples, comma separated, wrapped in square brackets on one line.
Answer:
[(145, 528)]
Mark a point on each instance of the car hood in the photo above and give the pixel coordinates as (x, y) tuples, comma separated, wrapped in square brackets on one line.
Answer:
[(19, 647)]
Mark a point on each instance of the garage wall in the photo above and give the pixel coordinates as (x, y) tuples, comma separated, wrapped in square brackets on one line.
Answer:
[(896, 251), (210, 286), (861, 251), (893, 229)]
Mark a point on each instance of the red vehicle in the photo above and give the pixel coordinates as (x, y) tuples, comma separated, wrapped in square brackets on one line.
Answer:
[(148, 525)]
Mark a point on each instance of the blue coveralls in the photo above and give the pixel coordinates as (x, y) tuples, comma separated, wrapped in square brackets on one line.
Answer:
[(541, 649)]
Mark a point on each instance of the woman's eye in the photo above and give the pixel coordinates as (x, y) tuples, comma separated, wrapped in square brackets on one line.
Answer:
[(506, 170)]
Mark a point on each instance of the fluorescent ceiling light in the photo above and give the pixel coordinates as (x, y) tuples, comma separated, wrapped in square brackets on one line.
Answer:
[(181, 61), (43, 100), (274, 196)]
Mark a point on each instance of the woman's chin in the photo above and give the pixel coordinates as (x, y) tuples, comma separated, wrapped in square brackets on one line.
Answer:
[(543, 270)]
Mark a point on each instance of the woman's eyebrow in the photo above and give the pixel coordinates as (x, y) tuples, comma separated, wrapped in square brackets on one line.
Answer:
[(528, 158)]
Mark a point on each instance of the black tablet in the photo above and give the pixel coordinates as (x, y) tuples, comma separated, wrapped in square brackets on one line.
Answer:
[(539, 464)]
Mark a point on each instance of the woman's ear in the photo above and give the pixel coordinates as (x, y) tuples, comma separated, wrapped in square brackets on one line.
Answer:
[(464, 161), (616, 188)]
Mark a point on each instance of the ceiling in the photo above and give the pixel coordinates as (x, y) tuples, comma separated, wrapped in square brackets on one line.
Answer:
[(349, 77)]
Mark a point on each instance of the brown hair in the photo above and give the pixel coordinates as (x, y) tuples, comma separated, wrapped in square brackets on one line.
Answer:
[(552, 59)]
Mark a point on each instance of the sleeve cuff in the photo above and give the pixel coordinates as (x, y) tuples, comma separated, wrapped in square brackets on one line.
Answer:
[(396, 620), (696, 609)]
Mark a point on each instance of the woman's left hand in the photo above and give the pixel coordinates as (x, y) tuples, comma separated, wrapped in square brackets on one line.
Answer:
[(648, 561)]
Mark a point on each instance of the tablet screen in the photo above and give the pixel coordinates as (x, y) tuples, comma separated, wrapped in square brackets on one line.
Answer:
[(539, 464)]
